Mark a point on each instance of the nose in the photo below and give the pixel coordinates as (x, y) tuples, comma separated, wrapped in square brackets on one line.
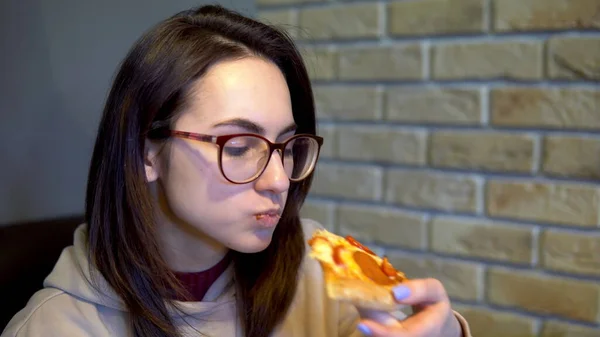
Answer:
[(273, 178)]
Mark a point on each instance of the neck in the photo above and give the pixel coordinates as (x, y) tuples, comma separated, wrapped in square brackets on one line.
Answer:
[(186, 249)]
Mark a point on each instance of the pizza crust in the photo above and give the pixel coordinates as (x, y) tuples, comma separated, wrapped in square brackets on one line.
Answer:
[(355, 274)]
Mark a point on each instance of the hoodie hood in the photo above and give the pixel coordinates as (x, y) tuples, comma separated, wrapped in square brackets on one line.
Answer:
[(72, 275)]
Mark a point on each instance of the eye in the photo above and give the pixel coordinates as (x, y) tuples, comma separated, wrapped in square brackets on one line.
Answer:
[(236, 151)]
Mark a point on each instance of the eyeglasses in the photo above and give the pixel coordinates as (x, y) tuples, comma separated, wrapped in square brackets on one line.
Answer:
[(244, 157)]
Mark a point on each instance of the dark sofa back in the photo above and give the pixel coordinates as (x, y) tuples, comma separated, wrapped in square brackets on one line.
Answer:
[(28, 252)]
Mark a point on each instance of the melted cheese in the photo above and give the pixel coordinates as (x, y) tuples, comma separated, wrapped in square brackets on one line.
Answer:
[(324, 244)]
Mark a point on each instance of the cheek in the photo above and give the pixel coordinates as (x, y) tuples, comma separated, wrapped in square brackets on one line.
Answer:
[(184, 180), (194, 185)]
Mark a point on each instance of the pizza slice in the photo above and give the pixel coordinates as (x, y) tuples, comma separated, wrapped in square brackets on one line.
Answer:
[(354, 273)]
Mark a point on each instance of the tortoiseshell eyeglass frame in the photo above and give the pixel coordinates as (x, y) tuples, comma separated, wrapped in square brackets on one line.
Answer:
[(220, 141)]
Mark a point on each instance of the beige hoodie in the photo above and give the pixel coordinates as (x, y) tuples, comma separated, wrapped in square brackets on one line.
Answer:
[(69, 306)]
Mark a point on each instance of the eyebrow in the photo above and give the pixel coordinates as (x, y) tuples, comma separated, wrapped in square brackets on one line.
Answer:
[(253, 127)]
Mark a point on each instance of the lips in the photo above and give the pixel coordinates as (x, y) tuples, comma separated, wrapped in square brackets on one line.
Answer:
[(263, 215), (268, 212), (268, 219)]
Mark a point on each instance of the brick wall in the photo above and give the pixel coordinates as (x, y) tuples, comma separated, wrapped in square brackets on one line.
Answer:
[(462, 139)]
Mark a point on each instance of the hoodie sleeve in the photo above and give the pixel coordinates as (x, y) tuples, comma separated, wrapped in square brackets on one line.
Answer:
[(466, 330), (348, 320)]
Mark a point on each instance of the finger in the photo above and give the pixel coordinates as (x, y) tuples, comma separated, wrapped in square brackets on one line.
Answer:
[(382, 317), (420, 292), (374, 329), (427, 322)]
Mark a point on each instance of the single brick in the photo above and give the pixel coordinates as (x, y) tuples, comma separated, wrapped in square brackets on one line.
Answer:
[(382, 144), (266, 3), (559, 203), (571, 252), (537, 293), (561, 329), (399, 62), (547, 108), (433, 106), (572, 156), (532, 15), (422, 189), (347, 102), (350, 182), (436, 17), (321, 62), (574, 58), (340, 22), (479, 60), (482, 239), (492, 151)]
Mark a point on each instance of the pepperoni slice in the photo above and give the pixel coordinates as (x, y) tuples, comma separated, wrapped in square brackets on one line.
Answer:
[(337, 258), (357, 244), (312, 240), (371, 269), (387, 268)]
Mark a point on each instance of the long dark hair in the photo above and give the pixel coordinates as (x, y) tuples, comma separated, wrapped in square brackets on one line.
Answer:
[(151, 87)]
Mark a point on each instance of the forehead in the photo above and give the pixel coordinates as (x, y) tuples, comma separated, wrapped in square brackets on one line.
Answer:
[(249, 88)]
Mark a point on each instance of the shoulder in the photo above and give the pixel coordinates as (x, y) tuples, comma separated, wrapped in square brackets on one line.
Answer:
[(50, 312), (309, 226), (36, 304)]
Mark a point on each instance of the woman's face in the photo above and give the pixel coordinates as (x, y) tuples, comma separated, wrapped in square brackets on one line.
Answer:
[(242, 96)]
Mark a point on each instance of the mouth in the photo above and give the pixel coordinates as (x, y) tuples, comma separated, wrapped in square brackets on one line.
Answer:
[(262, 216), (268, 212), (267, 215), (268, 219)]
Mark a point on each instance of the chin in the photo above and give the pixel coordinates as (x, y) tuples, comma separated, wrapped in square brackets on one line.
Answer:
[(254, 242)]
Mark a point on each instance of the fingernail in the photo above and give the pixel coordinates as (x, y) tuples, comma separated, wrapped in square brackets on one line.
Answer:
[(364, 329), (401, 292)]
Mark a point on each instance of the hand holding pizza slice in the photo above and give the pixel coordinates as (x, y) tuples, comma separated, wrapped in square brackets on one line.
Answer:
[(354, 273)]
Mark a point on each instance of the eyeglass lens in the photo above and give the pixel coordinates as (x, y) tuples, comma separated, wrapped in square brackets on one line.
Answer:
[(244, 158)]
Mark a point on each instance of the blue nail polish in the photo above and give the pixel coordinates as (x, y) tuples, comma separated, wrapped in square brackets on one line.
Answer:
[(364, 329), (401, 292)]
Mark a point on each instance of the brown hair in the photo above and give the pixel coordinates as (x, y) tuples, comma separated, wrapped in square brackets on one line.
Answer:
[(150, 87)]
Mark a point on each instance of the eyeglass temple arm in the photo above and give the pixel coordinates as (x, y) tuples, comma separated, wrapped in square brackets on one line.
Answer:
[(194, 136), (166, 133)]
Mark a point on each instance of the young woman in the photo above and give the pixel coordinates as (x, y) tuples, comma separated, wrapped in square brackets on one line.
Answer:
[(204, 155)]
